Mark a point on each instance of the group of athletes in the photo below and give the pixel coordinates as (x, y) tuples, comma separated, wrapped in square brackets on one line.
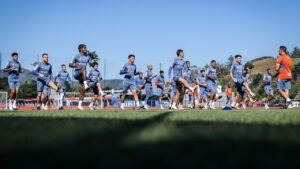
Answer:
[(202, 89)]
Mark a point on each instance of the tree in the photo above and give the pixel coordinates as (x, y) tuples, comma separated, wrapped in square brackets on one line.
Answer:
[(230, 61), (28, 90), (296, 53), (93, 55), (296, 71), (4, 84), (249, 65)]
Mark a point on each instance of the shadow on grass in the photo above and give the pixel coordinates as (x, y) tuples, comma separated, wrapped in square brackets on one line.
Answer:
[(155, 142)]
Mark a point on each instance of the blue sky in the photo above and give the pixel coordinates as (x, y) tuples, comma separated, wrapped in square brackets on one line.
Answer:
[(152, 30)]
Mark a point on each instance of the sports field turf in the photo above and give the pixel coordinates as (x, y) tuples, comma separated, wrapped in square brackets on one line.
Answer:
[(150, 139)]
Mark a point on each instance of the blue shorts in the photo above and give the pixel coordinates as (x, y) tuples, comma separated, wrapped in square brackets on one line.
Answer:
[(78, 77), (212, 86), (204, 91), (42, 84), (176, 79), (268, 89), (284, 84), (129, 85), (174, 89), (93, 85), (47, 90), (14, 84), (161, 92), (148, 89), (229, 97)]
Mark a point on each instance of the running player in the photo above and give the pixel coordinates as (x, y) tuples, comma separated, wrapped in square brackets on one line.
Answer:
[(129, 71), (13, 68), (80, 62), (187, 73), (62, 77), (236, 74), (178, 66), (43, 71), (148, 85), (140, 83), (211, 74), (267, 80), (201, 81), (94, 77), (161, 88), (284, 69)]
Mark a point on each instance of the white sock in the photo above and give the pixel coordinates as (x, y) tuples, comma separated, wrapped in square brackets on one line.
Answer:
[(191, 88), (80, 103), (92, 104), (61, 99), (122, 104), (288, 100), (85, 83), (213, 103), (10, 102), (137, 104), (15, 103), (233, 104), (174, 105)]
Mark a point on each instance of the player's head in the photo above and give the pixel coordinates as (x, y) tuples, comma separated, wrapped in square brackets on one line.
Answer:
[(180, 53), (141, 74), (95, 65), (82, 49), (202, 72), (188, 64), (269, 71), (161, 73), (131, 58), (238, 58), (63, 67), (228, 85), (282, 50), (150, 67), (14, 56), (213, 63), (45, 57)]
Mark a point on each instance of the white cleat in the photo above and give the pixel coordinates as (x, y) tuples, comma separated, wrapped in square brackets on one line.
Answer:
[(92, 107), (180, 107), (46, 108), (11, 107), (162, 107), (122, 108), (146, 107), (174, 107), (80, 108), (267, 107)]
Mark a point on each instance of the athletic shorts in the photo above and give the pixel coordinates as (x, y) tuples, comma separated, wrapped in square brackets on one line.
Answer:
[(212, 86), (129, 85), (268, 89), (161, 92), (284, 84), (78, 77), (14, 84), (42, 84)]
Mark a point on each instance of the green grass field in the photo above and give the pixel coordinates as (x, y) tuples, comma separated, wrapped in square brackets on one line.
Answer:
[(150, 139)]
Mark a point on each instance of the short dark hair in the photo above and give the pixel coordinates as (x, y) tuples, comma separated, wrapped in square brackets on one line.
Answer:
[(238, 56), (213, 61), (44, 54), (81, 46), (179, 51), (15, 53), (160, 72), (268, 69), (131, 55), (187, 62), (202, 70), (94, 64), (63, 65), (283, 48)]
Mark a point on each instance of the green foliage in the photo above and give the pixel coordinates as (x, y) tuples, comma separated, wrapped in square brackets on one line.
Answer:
[(4, 84), (28, 90), (249, 65), (296, 53), (93, 55), (296, 71), (106, 88)]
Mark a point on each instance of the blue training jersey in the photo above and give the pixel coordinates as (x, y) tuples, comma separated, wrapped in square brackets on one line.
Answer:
[(81, 60), (62, 78), (44, 69), (268, 78), (129, 71), (188, 74), (148, 76), (178, 66), (211, 73), (139, 82), (160, 82), (202, 80), (94, 75), (14, 74), (237, 70)]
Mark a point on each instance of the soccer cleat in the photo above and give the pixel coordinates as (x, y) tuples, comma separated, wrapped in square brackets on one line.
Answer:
[(174, 107), (289, 105), (80, 108), (267, 107), (61, 108), (45, 108), (180, 107), (146, 107), (244, 107), (162, 107), (122, 107), (92, 107), (38, 108), (11, 107)]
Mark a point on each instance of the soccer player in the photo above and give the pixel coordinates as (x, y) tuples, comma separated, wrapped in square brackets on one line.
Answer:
[(188, 78), (284, 71), (129, 71), (161, 88), (211, 74), (201, 81), (140, 82), (43, 71), (148, 85), (63, 77), (177, 68), (13, 68), (80, 62), (228, 92), (94, 77), (236, 74), (267, 80)]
